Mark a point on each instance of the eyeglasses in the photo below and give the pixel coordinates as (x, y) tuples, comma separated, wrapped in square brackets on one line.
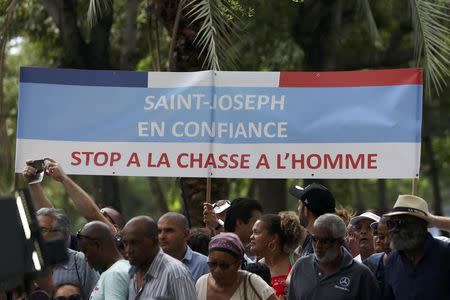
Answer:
[(397, 223), (222, 265), (82, 236), (47, 230), (325, 241), (71, 297)]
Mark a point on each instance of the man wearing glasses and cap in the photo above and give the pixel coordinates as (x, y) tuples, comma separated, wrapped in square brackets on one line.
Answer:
[(364, 234), (313, 201), (419, 266)]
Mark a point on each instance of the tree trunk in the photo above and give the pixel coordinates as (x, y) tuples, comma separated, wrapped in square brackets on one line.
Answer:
[(382, 207), (360, 206), (272, 193), (186, 58), (433, 173), (157, 194), (128, 50)]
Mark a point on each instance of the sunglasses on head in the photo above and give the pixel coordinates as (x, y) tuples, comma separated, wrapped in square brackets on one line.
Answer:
[(325, 241), (71, 297), (222, 265), (82, 236)]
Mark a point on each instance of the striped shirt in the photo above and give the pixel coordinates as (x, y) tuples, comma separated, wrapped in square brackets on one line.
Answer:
[(166, 278), (76, 271)]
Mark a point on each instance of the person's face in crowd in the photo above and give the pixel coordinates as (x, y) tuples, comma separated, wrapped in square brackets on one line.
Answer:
[(139, 246), (406, 232), (350, 238), (92, 250), (326, 248), (364, 235), (381, 238), (223, 267), (260, 238), (46, 226), (68, 292), (244, 230), (172, 237)]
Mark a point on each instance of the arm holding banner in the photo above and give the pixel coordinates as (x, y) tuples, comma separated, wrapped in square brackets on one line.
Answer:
[(37, 194), (84, 204)]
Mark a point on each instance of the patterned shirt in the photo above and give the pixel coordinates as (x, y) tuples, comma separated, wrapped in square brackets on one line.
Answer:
[(166, 278), (76, 271)]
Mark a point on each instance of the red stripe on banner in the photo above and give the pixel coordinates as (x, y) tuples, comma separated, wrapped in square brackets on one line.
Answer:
[(351, 78)]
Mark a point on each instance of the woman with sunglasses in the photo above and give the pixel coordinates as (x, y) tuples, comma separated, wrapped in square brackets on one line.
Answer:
[(274, 240), (226, 280)]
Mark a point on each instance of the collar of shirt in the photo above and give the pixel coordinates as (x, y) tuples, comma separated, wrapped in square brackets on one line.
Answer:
[(154, 268), (188, 255)]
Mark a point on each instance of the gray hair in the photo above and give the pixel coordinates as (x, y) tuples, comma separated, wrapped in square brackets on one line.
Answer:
[(60, 220), (333, 223)]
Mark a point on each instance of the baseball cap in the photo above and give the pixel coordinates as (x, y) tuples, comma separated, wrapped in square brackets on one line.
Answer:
[(316, 197), (365, 216)]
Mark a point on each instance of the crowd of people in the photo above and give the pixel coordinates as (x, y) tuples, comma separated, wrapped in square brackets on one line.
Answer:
[(318, 252)]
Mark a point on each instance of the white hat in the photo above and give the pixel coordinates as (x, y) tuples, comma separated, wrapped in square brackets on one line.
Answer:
[(221, 206), (365, 216), (410, 205)]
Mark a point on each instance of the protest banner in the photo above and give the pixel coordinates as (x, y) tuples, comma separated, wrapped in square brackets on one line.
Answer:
[(356, 124)]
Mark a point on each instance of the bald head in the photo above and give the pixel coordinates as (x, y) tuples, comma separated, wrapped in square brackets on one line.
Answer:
[(143, 225), (178, 219), (113, 216), (99, 231)]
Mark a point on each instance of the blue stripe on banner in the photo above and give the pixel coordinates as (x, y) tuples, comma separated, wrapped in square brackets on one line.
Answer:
[(310, 115), (84, 77)]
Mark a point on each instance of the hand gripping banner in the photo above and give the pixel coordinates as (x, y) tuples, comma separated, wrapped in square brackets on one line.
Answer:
[(356, 124)]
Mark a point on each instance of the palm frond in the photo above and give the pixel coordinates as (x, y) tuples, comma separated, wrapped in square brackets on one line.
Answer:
[(364, 8), (97, 8), (214, 38), (432, 41)]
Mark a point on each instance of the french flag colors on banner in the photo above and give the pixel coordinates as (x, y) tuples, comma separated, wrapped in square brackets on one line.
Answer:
[(357, 124)]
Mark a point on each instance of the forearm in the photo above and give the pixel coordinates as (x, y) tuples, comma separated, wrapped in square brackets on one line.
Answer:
[(38, 197), (84, 204), (440, 222)]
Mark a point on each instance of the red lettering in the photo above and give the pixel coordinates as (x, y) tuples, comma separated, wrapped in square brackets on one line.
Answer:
[(279, 166), (196, 160), (180, 163), (296, 161), (134, 159), (223, 163), (372, 160), (234, 163), (349, 161), (115, 156), (88, 156), (309, 161), (263, 162), (333, 164), (210, 161), (97, 160), (76, 158), (245, 158), (164, 160)]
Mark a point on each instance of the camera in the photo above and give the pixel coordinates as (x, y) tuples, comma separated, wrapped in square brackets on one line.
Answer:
[(24, 254)]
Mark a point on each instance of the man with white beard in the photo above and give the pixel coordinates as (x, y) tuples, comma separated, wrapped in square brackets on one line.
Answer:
[(419, 266), (331, 272)]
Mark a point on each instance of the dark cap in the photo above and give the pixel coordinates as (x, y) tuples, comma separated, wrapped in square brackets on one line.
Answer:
[(316, 197)]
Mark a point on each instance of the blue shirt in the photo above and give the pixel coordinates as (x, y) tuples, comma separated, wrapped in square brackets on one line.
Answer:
[(196, 262), (429, 280)]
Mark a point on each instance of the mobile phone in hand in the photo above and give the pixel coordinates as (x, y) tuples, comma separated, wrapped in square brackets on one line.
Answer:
[(39, 165)]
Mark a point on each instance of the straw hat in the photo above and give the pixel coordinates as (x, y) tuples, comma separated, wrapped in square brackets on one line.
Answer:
[(410, 205)]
